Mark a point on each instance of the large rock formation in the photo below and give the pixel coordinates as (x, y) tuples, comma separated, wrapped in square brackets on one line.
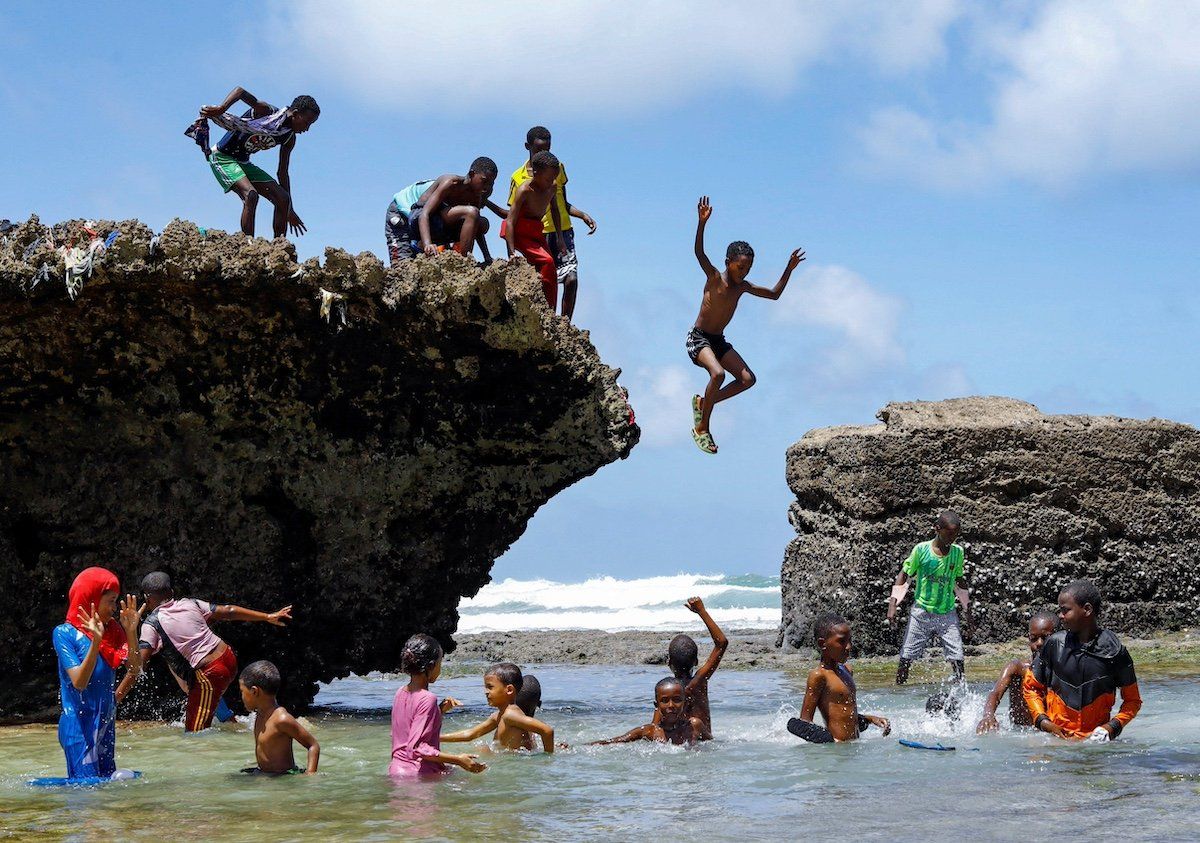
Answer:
[(192, 411), (1044, 500)]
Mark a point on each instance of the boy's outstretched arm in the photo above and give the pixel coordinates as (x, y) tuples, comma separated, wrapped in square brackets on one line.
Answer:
[(720, 643), (703, 211), (641, 733), (238, 93), (295, 730), (893, 598), (237, 613), (988, 723), (475, 732), (515, 717), (502, 213), (775, 292), (285, 181)]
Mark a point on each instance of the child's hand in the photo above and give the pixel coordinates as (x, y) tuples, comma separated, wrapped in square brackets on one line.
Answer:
[(131, 615), (590, 223), (882, 722), (92, 623), (704, 209), (891, 615), (987, 724), (1054, 729), (296, 224), (277, 618), (210, 111), (1100, 735), (471, 764), (449, 704), (794, 260), (430, 250), (695, 604)]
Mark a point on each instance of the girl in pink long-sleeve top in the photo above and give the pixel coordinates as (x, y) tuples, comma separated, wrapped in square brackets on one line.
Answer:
[(417, 717)]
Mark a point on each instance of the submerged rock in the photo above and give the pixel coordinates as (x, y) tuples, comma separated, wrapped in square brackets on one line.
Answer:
[(193, 411), (1044, 500)]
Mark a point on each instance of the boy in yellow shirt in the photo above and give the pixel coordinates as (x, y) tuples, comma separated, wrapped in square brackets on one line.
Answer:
[(537, 140)]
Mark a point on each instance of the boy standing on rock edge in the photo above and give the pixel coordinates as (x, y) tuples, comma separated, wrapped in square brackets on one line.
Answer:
[(706, 343), (937, 569)]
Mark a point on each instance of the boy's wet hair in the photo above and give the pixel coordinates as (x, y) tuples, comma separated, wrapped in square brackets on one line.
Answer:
[(306, 103), (737, 249), (948, 518), (484, 166), (1084, 591), (543, 161), (537, 133), (420, 653), (156, 583), (261, 674), (1043, 615), (508, 674), (824, 625), (665, 682), (682, 652), (529, 698)]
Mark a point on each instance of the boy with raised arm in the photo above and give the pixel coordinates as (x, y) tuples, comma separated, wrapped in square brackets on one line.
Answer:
[(274, 727), (1073, 683), (531, 202), (449, 213), (181, 631), (937, 569), (1041, 627), (561, 243), (682, 657), (262, 127), (831, 689), (670, 724), (513, 727), (706, 343)]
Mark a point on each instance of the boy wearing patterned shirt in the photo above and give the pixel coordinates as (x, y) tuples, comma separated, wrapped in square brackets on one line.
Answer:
[(936, 568)]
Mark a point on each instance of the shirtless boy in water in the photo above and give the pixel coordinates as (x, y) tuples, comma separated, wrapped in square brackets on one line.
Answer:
[(1041, 627), (682, 658), (831, 689), (670, 724), (274, 727), (706, 343), (513, 727)]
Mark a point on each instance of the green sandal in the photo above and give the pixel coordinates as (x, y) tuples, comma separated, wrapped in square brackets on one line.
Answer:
[(704, 441), (697, 412)]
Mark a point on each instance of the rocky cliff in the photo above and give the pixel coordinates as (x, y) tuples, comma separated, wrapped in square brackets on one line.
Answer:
[(1043, 499), (357, 442)]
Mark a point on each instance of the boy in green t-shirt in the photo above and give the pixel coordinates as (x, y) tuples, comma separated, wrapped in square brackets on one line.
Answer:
[(937, 569)]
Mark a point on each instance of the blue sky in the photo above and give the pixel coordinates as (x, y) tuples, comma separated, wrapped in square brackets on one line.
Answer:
[(995, 199)]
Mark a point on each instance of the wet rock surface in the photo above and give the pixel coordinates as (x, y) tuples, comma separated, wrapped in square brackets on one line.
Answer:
[(193, 411), (1044, 500)]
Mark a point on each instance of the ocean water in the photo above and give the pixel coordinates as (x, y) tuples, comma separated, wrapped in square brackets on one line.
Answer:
[(605, 603), (754, 782)]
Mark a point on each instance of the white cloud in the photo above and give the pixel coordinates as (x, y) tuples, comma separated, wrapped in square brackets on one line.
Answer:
[(662, 396), (863, 322), (620, 55), (1086, 86)]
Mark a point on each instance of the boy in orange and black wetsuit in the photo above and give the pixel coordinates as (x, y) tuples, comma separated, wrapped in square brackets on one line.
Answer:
[(1072, 686)]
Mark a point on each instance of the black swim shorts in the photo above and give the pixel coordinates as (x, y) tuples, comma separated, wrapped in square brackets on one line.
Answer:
[(395, 232), (698, 340)]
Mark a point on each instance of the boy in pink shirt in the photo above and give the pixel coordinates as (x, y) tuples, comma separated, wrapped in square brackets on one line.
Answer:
[(179, 629), (417, 716)]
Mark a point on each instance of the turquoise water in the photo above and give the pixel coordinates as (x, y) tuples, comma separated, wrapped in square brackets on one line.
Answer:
[(754, 782)]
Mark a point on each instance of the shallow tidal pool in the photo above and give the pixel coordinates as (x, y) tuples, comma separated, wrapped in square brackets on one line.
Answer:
[(755, 781)]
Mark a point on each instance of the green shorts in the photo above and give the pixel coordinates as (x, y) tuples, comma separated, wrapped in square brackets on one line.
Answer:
[(229, 170)]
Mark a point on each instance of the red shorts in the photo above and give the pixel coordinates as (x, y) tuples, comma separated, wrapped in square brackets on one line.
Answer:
[(531, 243), (208, 686)]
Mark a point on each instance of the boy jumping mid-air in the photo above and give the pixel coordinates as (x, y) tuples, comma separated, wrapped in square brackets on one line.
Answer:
[(831, 689), (263, 126), (706, 343)]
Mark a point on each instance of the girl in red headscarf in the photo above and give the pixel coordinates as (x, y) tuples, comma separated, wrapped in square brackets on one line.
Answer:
[(90, 646)]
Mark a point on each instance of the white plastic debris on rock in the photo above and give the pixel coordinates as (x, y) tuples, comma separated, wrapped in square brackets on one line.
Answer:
[(333, 307)]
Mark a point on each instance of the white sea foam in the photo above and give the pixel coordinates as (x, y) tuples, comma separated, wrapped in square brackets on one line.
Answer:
[(610, 604)]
